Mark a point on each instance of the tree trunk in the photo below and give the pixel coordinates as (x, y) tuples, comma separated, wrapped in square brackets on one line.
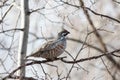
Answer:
[(23, 37)]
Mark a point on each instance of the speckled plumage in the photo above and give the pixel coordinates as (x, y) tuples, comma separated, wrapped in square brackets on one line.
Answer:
[(52, 49)]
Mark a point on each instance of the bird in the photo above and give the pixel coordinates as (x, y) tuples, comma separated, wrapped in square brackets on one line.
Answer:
[(52, 49)]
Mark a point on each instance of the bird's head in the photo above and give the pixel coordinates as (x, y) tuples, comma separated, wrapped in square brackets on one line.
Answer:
[(63, 33)]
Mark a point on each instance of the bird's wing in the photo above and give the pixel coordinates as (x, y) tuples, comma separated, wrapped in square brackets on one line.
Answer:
[(48, 46), (45, 47)]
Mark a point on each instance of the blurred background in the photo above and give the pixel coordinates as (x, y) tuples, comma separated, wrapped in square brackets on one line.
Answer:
[(94, 27)]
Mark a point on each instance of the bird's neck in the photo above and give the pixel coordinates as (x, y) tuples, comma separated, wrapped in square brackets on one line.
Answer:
[(61, 38)]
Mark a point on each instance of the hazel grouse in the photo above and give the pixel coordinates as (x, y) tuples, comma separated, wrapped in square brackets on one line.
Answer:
[(52, 49)]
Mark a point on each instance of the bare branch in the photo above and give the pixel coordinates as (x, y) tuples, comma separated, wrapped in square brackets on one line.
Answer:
[(18, 29), (31, 63), (91, 58), (99, 14)]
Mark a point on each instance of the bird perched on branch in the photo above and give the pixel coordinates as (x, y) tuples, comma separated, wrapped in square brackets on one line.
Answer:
[(52, 49)]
